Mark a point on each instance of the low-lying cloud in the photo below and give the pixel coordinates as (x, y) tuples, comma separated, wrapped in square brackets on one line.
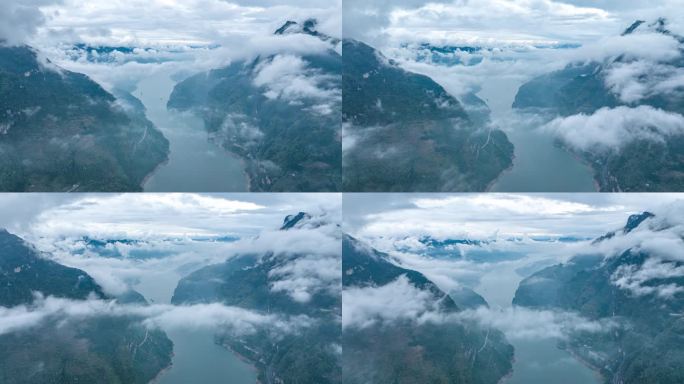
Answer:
[(397, 301), (232, 320), (613, 128), (400, 301)]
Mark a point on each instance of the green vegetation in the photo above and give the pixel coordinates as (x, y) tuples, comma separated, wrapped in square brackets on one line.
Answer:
[(411, 352), (310, 355), (92, 350), (647, 347), (642, 165), (404, 132), (60, 131), (287, 145)]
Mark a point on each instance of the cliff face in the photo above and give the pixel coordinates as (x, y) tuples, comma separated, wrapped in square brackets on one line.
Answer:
[(404, 132), (408, 351), (96, 349), (60, 131)]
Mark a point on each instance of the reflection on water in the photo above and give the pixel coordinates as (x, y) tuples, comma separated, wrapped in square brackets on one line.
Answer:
[(195, 164), (539, 164)]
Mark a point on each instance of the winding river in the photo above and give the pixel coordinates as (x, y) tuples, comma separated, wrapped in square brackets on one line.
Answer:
[(196, 359), (539, 165), (537, 361), (195, 164)]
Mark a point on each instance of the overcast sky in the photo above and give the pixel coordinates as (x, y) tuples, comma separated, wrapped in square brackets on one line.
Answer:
[(136, 215), (581, 21), (135, 22), (484, 215)]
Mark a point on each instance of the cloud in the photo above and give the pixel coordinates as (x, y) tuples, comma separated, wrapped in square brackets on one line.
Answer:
[(399, 301), (155, 239), (452, 216), (639, 280), (305, 276), (232, 320), (393, 302), (158, 22), (638, 80), (288, 77), (20, 19), (613, 128), (140, 216), (529, 324)]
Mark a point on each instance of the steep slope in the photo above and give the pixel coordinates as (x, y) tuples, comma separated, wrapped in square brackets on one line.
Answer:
[(310, 355), (280, 113), (60, 131), (101, 349), (642, 164), (404, 132), (633, 285), (411, 351)]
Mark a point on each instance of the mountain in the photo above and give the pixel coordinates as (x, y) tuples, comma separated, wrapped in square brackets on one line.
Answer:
[(403, 132), (635, 286), (642, 165), (280, 113), (416, 352), (310, 355), (99, 349), (60, 131)]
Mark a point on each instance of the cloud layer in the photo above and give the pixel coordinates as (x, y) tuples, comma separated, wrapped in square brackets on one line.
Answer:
[(613, 128)]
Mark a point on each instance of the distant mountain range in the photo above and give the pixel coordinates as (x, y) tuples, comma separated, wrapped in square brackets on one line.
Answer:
[(643, 165), (290, 141), (403, 132), (94, 350), (311, 356), (627, 288), (60, 131), (409, 351)]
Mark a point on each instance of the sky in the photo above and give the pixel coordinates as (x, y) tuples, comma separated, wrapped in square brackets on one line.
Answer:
[(135, 215), (479, 216), (156, 22), (173, 36), (498, 21)]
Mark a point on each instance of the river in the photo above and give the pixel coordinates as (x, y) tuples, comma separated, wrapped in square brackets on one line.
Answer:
[(539, 165), (197, 359), (195, 164), (537, 361)]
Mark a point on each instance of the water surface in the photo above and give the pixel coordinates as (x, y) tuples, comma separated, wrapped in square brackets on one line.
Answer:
[(539, 165), (195, 164), (197, 358), (537, 361)]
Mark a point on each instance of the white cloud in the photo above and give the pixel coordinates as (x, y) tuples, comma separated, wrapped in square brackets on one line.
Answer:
[(529, 324), (232, 320), (288, 77), (20, 19), (397, 301), (636, 279), (612, 128), (637, 80), (400, 301), (305, 276), (143, 215)]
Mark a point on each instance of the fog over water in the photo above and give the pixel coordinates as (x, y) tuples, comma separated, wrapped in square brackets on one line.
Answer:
[(197, 358), (537, 360)]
